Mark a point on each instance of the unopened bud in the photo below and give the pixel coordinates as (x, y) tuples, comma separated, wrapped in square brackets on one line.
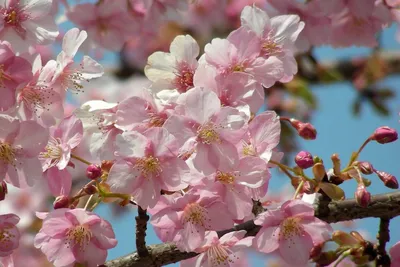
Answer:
[(304, 159), (3, 190), (336, 164), (362, 196), (304, 129), (384, 134), (93, 171), (342, 238), (90, 189), (365, 167), (319, 171), (388, 179), (106, 165), (61, 202)]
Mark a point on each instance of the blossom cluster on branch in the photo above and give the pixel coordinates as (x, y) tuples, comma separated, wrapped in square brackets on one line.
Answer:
[(190, 147)]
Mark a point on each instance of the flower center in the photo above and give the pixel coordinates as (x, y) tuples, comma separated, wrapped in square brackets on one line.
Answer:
[(184, 78), (156, 120), (149, 166), (11, 17), (291, 227), (248, 150), (7, 153), (3, 75), (6, 237), (238, 67), (196, 214), (35, 97), (219, 255), (207, 134), (270, 48), (53, 151), (79, 235), (225, 177), (71, 79)]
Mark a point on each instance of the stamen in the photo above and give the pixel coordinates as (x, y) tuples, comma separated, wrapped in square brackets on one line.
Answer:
[(6, 237), (7, 153), (184, 78), (207, 134), (219, 254), (78, 235), (53, 151), (196, 214), (148, 166), (290, 228), (225, 177)]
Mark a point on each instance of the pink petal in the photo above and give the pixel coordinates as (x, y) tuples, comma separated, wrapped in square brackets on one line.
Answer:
[(253, 172), (122, 177), (72, 40), (164, 143), (201, 104), (174, 172), (296, 249), (33, 143), (131, 145), (298, 208), (267, 239), (72, 131), (58, 181)]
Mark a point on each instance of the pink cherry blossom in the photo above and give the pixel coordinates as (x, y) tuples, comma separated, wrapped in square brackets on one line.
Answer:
[(63, 138), (146, 164), (20, 145), (394, 253), (14, 71), (99, 119), (25, 23), (106, 22), (141, 112), (9, 234), (236, 89), (185, 219), (240, 53), (292, 230), (74, 236), (174, 70), (277, 36), (233, 182), (64, 74), (263, 136), (215, 130), (221, 251), (360, 19), (37, 101)]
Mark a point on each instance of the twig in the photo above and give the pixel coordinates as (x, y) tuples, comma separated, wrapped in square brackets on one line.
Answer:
[(384, 205), (383, 236), (141, 227)]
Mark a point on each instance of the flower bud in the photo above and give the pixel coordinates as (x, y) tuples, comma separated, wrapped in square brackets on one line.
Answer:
[(90, 189), (362, 196), (384, 134), (305, 130), (336, 164), (93, 171), (365, 167), (304, 159), (389, 180), (3, 190), (61, 202)]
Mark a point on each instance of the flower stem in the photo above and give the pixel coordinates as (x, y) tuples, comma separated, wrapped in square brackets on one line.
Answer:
[(80, 159), (87, 203), (298, 189), (282, 166)]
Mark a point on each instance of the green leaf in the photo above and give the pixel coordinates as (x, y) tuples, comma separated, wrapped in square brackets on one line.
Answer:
[(332, 191), (379, 107)]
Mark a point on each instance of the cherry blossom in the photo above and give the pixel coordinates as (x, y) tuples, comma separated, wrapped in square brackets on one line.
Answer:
[(174, 70), (74, 236), (221, 251), (215, 130), (25, 23), (185, 219), (292, 230), (14, 71), (63, 138), (277, 36), (146, 164), (9, 234), (64, 75), (20, 145), (395, 255)]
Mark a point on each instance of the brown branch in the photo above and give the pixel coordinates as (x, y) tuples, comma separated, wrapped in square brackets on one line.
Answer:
[(383, 236), (141, 227), (384, 205)]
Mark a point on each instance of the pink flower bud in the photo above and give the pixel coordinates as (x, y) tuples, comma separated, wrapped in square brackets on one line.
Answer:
[(3, 190), (388, 179), (93, 171), (305, 130), (363, 197), (365, 167), (304, 159), (384, 135), (61, 202)]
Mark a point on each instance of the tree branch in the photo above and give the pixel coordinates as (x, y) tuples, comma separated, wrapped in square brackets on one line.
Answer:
[(383, 236), (141, 227), (383, 205)]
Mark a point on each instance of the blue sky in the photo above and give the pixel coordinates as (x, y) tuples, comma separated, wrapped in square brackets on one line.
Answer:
[(338, 132)]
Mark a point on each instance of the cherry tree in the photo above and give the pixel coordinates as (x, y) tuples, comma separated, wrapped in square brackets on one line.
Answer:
[(201, 114)]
